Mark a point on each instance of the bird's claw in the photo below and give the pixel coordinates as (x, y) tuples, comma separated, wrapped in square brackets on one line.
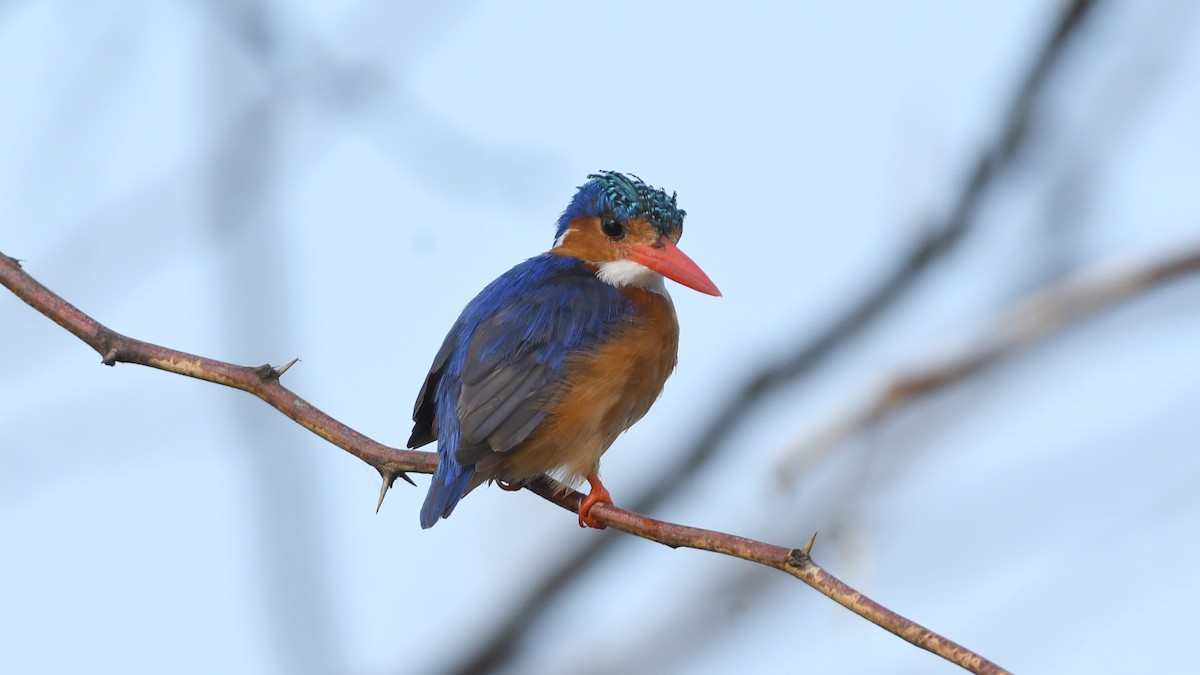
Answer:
[(597, 495), (507, 486)]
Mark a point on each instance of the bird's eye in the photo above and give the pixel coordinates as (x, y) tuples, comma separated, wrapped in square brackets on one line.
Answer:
[(612, 228)]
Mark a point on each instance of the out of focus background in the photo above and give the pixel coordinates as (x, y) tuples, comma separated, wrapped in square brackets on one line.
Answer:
[(874, 186)]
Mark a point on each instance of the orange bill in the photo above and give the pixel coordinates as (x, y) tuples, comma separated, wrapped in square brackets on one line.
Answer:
[(665, 258)]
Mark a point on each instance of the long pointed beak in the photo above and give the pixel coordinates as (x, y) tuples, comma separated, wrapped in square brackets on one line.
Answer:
[(665, 258)]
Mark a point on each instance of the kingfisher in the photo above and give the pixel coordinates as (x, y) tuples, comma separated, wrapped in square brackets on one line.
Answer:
[(561, 354)]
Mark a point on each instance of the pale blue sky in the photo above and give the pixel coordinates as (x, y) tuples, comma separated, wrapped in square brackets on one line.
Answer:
[(335, 180)]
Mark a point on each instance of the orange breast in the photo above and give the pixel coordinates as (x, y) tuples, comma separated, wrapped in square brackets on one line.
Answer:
[(607, 390)]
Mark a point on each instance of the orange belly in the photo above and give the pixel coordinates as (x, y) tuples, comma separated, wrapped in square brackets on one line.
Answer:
[(608, 389)]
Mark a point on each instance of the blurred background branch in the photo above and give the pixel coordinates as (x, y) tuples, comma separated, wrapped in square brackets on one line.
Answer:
[(1045, 312), (1014, 130)]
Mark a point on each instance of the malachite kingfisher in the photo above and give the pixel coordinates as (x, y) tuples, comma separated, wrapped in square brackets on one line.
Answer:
[(562, 353)]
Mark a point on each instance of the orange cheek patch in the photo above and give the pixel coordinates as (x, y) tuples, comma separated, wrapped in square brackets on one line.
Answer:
[(583, 239)]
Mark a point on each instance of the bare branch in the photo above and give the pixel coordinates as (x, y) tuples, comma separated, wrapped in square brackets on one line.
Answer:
[(1044, 312), (261, 381), (796, 562), (391, 463)]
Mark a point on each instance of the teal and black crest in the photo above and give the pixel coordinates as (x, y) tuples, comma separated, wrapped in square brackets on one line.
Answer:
[(625, 196)]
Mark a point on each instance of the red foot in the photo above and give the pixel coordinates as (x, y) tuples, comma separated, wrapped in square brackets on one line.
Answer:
[(597, 495), (510, 487)]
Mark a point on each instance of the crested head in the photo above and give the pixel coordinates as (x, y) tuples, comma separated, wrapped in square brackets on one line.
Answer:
[(626, 197), (626, 230)]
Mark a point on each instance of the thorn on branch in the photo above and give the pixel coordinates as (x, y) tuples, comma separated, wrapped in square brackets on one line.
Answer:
[(268, 373), (279, 373), (15, 261), (112, 346), (388, 478), (802, 557), (807, 550)]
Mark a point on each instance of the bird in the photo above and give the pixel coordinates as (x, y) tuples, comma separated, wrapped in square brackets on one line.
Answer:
[(557, 357)]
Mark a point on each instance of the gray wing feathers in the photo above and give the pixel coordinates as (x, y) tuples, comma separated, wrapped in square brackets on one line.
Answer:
[(507, 393)]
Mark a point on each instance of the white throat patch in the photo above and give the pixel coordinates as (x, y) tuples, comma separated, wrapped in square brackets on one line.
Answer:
[(628, 273)]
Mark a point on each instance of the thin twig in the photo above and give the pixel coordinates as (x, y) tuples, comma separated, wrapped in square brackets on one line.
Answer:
[(1044, 312), (263, 382), (993, 159)]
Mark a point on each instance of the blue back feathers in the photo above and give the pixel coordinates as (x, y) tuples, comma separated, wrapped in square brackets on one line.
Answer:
[(626, 197), (505, 353)]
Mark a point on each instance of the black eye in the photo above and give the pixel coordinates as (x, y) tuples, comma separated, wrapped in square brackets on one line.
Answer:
[(612, 228)]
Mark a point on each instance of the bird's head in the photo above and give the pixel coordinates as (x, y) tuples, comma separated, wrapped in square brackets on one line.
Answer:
[(628, 230)]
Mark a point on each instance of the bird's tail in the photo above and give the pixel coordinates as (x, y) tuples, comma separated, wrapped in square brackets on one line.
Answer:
[(450, 483)]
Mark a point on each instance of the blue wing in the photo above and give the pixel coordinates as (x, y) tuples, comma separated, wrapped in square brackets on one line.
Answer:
[(501, 366)]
